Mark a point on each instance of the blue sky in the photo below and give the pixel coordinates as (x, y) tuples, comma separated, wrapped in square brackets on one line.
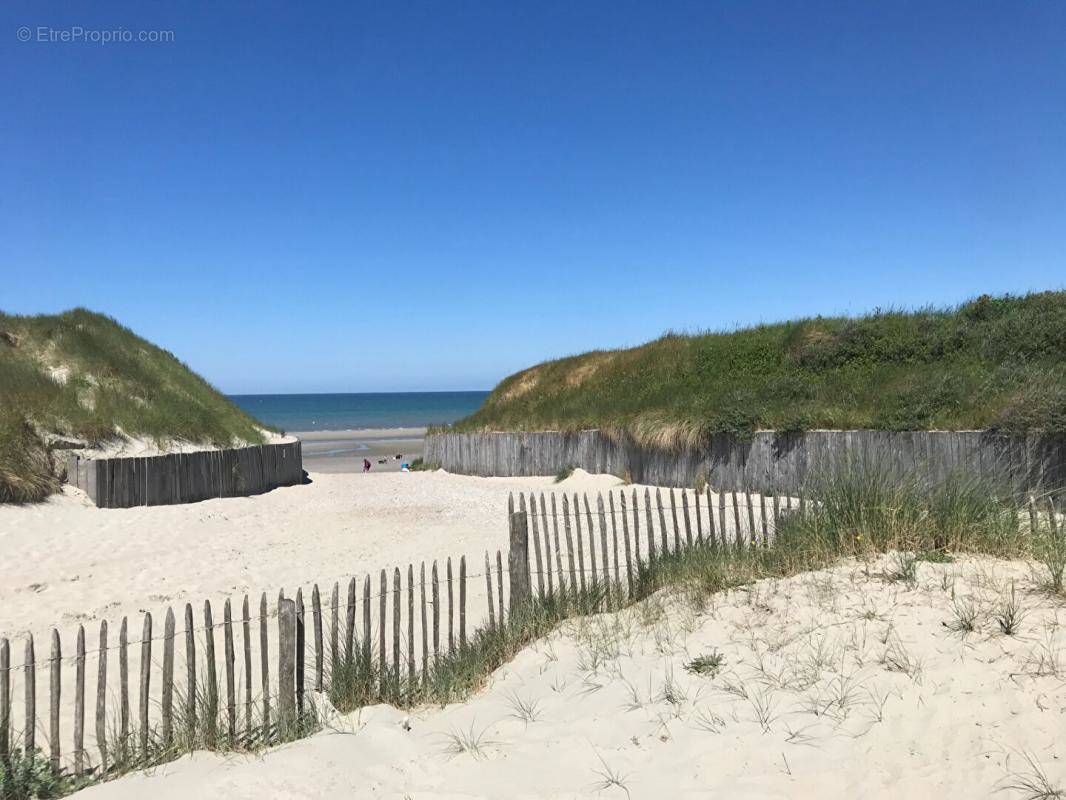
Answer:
[(416, 196)]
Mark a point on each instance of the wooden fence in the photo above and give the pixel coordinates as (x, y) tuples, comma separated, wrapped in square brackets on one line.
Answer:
[(275, 656), (186, 477), (769, 461)]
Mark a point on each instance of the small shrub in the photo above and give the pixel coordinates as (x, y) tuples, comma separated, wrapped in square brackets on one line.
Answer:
[(564, 473), (706, 664), (420, 465)]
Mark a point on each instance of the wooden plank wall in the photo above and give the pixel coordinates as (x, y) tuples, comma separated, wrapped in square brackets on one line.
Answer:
[(771, 461), (186, 477)]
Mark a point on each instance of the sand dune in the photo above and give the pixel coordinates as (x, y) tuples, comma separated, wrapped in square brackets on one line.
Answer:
[(840, 683)]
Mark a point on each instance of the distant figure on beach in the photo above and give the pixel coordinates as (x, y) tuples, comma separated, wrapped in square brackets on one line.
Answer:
[(366, 465)]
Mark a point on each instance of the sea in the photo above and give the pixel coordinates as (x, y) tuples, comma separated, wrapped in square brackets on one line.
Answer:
[(345, 412)]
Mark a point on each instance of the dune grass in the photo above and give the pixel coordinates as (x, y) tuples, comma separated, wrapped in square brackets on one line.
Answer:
[(83, 375), (994, 363)]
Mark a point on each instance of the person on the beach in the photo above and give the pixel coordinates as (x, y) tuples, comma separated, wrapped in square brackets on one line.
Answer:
[(366, 465)]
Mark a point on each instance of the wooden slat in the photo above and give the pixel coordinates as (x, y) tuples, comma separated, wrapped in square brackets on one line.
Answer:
[(518, 560), (723, 525), (286, 662), (451, 607), (558, 549), (536, 545), (210, 678), (190, 673), (751, 516), (580, 543), (145, 683), (625, 539), (167, 703), (55, 671), (5, 701), (316, 616), (246, 630), (711, 528), (699, 514), (569, 545), (368, 639), (229, 662), (673, 516), (436, 616), (462, 602), (79, 702), (737, 535), (410, 627), (605, 560), (688, 523), (763, 520), (29, 683), (614, 540), (264, 663), (349, 624), (593, 572), (662, 522), (650, 533), (101, 697), (382, 655), (425, 633), (301, 650), (396, 628), (499, 589), (547, 547), (488, 591)]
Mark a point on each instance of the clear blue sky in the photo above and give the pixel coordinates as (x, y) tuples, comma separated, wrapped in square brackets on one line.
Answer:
[(391, 196)]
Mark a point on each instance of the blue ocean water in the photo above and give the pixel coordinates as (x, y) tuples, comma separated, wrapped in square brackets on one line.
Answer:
[(341, 412)]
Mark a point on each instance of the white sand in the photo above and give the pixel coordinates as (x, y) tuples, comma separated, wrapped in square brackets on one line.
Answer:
[(834, 684), (68, 562)]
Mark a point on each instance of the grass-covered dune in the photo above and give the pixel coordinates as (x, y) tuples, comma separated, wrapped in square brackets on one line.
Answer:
[(83, 377), (996, 363)]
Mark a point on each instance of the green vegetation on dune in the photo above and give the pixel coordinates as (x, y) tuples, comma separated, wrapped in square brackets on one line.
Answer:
[(992, 363), (84, 376)]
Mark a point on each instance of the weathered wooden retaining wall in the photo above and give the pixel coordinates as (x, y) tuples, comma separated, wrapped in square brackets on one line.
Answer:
[(771, 461), (186, 477)]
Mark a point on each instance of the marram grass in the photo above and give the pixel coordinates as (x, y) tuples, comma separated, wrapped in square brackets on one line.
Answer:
[(996, 363), (84, 376)]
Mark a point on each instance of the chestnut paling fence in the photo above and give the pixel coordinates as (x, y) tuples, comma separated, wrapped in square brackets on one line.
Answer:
[(246, 678)]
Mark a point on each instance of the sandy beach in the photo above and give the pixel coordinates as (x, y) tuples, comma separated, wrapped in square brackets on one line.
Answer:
[(70, 563), (344, 451), (839, 683)]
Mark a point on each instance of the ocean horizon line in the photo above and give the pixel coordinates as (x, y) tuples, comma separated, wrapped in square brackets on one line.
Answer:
[(359, 411)]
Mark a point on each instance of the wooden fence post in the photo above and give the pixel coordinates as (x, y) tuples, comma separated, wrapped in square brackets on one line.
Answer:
[(168, 677), (518, 559), (79, 702), (146, 677), (286, 661), (29, 683), (101, 697), (53, 705), (5, 700)]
